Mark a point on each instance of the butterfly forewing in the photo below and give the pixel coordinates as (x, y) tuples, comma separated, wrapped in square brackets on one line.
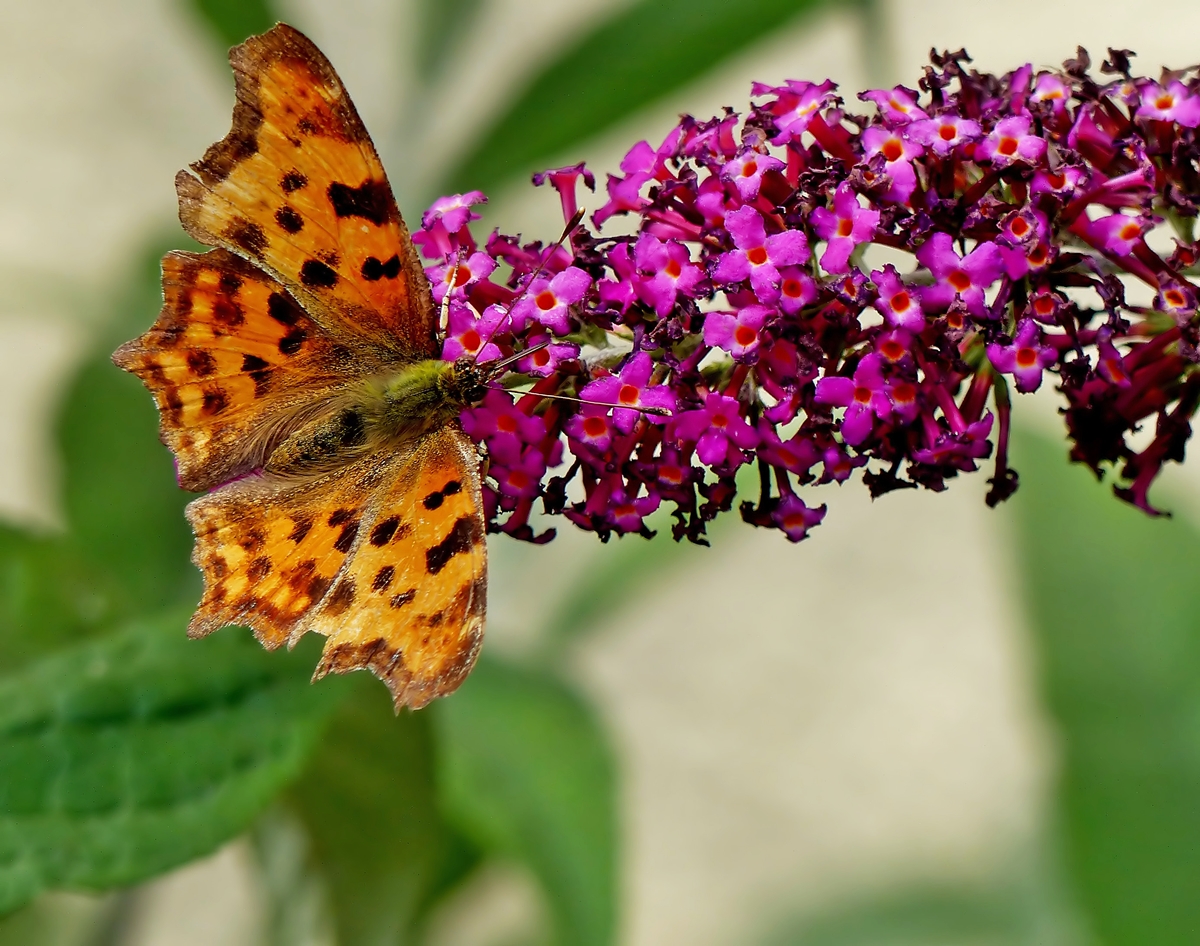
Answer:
[(232, 362), (296, 186)]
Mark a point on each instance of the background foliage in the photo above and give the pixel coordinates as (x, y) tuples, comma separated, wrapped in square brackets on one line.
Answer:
[(126, 750)]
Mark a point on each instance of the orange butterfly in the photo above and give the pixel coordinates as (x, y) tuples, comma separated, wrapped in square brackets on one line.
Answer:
[(297, 364)]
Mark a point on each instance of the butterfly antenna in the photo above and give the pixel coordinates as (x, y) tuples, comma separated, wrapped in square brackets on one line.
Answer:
[(497, 368), (656, 411), (444, 314)]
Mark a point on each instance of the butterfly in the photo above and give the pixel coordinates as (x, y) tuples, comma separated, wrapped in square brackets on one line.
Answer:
[(297, 376)]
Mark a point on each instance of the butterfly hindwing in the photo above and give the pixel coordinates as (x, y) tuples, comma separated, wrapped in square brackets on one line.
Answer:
[(385, 557), (232, 362), (410, 604), (296, 187)]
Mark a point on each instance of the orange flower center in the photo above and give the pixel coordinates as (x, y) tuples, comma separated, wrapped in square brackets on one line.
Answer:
[(959, 280), (791, 288), (1026, 357), (471, 340), (1174, 297), (628, 394), (546, 300), (594, 426), (892, 350), (862, 395), (463, 275), (506, 424), (757, 256), (672, 269), (845, 227), (750, 168), (744, 335), (1020, 227), (1165, 101), (892, 149), (904, 393), (1008, 146), (901, 301), (1131, 231)]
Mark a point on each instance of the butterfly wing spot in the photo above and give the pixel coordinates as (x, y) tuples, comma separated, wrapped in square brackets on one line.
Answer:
[(405, 597), (371, 200), (383, 578), (289, 220), (292, 181), (465, 535), (342, 597), (249, 236), (373, 270), (383, 532), (314, 273)]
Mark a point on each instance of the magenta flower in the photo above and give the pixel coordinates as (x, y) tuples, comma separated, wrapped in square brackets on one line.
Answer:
[(794, 518), (1064, 182), (620, 291), (669, 273), (629, 389), (1053, 89), (898, 106), (740, 332), (896, 302), (565, 181), (1025, 358), (746, 172), (1011, 142), (794, 106), (1172, 104), (441, 223), (964, 278), (516, 469), (1177, 299), (470, 336), (546, 361), (548, 301), (944, 133), (796, 289), (865, 398), (758, 256), (627, 513), (718, 430), (456, 277), (498, 421), (797, 455), (897, 155), (843, 228), (1119, 234), (592, 427)]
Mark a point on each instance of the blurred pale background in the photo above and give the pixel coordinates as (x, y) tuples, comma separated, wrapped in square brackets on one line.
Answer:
[(796, 726)]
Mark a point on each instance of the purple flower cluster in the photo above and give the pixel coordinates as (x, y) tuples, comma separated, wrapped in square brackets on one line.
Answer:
[(810, 291)]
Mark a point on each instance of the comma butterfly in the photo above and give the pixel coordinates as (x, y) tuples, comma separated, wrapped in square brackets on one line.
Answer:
[(296, 372)]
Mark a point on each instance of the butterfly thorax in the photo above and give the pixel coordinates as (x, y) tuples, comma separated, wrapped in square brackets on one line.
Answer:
[(388, 412)]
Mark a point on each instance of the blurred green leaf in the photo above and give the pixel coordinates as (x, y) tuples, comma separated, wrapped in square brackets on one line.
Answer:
[(1115, 609), (231, 21), (924, 916), (367, 801), (123, 758), (442, 22), (641, 54), (48, 596), (524, 770), (124, 507)]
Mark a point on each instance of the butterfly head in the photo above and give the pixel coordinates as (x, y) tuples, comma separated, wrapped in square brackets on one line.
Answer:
[(467, 381)]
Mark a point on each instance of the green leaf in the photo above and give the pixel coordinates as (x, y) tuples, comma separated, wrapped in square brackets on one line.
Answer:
[(48, 596), (924, 916), (644, 53), (1114, 603), (231, 21), (126, 757), (442, 22), (368, 803), (124, 507), (525, 771)]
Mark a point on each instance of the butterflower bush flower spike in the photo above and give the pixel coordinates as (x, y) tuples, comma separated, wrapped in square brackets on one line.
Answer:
[(811, 291)]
